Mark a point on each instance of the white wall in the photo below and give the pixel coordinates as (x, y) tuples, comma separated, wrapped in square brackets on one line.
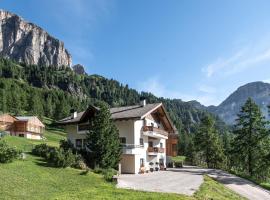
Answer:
[(126, 129), (132, 131)]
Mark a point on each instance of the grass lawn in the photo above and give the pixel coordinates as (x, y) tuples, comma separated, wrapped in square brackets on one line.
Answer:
[(179, 159), (265, 185), (33, 179), (211, 189), (52, 138)]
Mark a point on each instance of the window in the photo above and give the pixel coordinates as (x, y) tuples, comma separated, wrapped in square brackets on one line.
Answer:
[(123, 140), (161, 145), (142, 162), (141, 142), (79, 143), (150, 144), (83, 127)]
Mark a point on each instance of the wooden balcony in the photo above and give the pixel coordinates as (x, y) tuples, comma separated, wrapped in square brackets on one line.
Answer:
[(155, 150), (156, 130)]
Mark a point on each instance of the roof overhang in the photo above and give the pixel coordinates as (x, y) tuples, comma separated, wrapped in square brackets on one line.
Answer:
[(172, 128)]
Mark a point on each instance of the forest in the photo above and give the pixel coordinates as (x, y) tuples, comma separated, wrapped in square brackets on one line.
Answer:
[(47, 91)]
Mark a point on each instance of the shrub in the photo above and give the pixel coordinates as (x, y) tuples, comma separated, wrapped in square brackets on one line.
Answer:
[(98, 170), (7, 153), (79, 162), (66, 145), (107, 173), (60, 158), (178, 161), (41, 150)]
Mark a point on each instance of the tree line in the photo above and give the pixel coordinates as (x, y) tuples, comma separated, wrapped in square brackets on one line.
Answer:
[(52, 92), (245, 150)]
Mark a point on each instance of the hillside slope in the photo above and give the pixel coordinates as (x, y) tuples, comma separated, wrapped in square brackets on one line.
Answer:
[(32, 178), (228, 109), (53, 92)]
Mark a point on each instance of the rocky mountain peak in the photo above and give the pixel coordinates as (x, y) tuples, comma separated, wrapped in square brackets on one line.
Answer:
[(28, 43), (228, 109), (79, 69)]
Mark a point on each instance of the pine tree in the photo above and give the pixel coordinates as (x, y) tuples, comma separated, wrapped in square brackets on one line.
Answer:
[(250, 135), (103, 139), (208, 144)]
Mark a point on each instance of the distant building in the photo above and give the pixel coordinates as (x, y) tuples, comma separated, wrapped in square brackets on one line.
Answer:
[(29, 127), (145, 131)]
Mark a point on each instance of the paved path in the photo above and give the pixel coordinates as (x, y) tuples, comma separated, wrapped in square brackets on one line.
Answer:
[(187, 180), (171, 181), (241, 186)]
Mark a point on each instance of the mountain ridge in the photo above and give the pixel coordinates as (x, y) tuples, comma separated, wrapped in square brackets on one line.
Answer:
[(259, 91), (26, 42)]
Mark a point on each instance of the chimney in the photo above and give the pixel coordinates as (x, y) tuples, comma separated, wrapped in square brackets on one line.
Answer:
[(142, 101), (73, 113)]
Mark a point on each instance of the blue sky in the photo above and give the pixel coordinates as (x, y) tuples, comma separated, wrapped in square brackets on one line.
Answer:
[(187, 49)]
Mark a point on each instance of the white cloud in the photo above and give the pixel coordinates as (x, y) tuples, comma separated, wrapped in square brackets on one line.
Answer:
[(155, 86), (266, 80), (207, 89), (238, 62), (205, 94)]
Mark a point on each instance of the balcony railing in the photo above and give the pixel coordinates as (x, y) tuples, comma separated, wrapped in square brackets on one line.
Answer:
[(131, 146), (155, 150), (154, 129)]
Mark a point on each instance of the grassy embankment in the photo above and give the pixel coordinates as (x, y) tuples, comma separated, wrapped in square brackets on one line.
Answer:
[(33, 179)]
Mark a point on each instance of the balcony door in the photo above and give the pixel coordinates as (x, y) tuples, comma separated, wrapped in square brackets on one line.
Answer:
[(150, 144)]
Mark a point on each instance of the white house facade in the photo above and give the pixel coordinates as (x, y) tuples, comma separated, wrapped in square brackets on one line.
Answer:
[(143, 132)]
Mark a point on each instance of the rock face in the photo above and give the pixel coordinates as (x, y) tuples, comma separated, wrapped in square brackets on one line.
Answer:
[(25, 42), (79, 69), (228, 109)]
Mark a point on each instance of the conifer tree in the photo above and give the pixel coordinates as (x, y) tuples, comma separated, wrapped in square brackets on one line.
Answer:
[(103, 139), (250, 139), (208, 144)]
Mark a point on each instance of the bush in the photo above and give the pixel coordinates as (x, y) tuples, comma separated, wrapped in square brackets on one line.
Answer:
[(7, 153), (60, 158), (66, 145), (79, 162), (41, 150), (107, 173), (98, 170), (178, 161)]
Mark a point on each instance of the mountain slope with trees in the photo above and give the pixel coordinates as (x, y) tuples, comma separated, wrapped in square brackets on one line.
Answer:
[(51, 92)]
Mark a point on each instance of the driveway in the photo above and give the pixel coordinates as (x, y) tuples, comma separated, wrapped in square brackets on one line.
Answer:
[(241, 186), (181, 181), (187, 180)]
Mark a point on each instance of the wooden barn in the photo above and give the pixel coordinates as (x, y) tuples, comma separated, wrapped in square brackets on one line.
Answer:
[(29, 127)]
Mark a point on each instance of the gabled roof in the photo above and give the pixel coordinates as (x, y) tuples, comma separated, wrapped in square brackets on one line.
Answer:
[(136, 111), (126, 112), (30, 119), (24, 118), (121, 113), (80, 116)]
